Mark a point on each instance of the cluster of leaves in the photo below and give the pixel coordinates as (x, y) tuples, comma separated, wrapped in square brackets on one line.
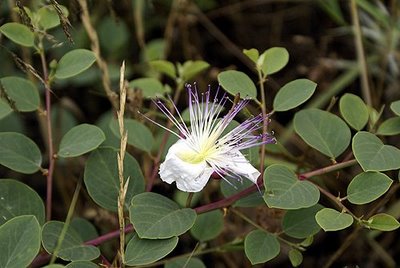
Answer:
[(158, 221)]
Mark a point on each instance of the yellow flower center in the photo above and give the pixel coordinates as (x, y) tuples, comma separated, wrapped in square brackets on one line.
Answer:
[(191, 156)]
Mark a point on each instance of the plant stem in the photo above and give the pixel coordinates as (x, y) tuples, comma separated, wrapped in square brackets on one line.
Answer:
[(366, 92), (50, 147), (327, 169), (261, 80)]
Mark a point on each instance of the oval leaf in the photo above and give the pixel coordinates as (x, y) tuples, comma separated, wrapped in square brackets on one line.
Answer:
[(71, 247), (208, 225), (101, 178), (20, 241), (191, 68), (273, 60), (295, 257), (301, 223), (155, 216), (48, 16), (74, 62), (81, 264), (261, 247), (164, 67), (284, 190), (332, 220), (5, 109), (367, 187), (389, 127), (354, 111), (373, 155), (323, 131), (80, 140), (293, 94), (21, 92), (236, 82), (146, 251), (19, 153), (395, 107), (139, 135), (18, 33), (150, 87), (252, 54), (382, 222), (16, 199)]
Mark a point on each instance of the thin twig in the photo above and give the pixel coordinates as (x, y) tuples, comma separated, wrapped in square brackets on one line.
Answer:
[(261, 80)]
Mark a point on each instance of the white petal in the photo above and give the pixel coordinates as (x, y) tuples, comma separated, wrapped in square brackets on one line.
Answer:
[(241, 166), (188, 177)]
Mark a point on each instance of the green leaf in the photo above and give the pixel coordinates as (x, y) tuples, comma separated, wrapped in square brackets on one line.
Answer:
[(80, 140), (189, 262), (53, 266), (71, 247), (382, 222), (373, 155), (333, 220), (323, 131), (208, 225), (150, 87), (395, 107), (367, 187), (252, 54), (354, 111), (116, 30), (16, 199), (234, 186), (236, 82), (301, 223), (389, 127), (5, 109), (74, 62), (48, 16), (284, 190), (19, 153), (81, 264), (261, 247), (86, 230), (191, 68), (294, 94), (139, 135), (101, 178), (18, 33), (295, 257), (21, 92), (164, 67), (19, 241), (156, 217), (273, 60), (146, 251)]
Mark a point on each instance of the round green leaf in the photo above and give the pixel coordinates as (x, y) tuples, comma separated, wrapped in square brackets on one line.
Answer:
[(234, 186), (389, 127), (293, 94), (301, 223), (18, 33), (150, 87), (86, 230), (367, 187), (71, 248), (156, 217), (19, 241), (81, 264), (5, 109), (19, 153), (252, 54), (80, 140), (373, 155), (236, 82), (382, 222), (273, 60), (333, 220), (395, 107), (208, 225), (74, 62), (295, 257), (116, 30), (185, 262), (139, 135), (102, 181), (191, 68), (48, 16), (284, 190), (261, 247), (146, 251), (16, 199), (54, 266), (354, 111), (323, 131), (21, 92), (164, 67)]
